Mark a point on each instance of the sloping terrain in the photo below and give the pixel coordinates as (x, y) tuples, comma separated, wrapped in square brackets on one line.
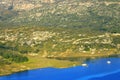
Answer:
[(99, 15), (32, 31)]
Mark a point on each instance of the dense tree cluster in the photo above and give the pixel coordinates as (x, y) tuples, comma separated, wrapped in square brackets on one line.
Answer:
[(12, 56)]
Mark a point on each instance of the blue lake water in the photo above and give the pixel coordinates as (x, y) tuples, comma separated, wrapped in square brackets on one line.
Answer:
[(97, 70)]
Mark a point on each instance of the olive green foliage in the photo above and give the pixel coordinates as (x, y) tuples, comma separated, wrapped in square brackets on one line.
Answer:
[(4, 61), (13, 56), (116, 40), (10, 54)]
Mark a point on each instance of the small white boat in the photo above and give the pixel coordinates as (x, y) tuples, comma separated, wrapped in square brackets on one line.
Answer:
[(109, 62), (84, 64)]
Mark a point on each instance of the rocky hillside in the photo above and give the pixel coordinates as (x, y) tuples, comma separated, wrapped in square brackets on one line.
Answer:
[(51, 42), (100, 15)]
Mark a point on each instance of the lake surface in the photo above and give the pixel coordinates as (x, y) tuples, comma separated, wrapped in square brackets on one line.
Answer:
[(96, 70)]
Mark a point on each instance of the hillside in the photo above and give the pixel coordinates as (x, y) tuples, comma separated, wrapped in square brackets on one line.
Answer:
[(56, 42), (26, 48), (48, 32), (99, 15)]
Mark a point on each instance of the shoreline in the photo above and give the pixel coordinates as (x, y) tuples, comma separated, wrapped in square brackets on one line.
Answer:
[(30, 65), (36, 62)]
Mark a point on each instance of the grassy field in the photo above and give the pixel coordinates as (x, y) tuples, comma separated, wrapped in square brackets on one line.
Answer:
[(34, 63), (40, 62)]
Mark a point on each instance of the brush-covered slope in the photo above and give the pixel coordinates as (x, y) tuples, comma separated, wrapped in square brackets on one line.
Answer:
[(101, 15)]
